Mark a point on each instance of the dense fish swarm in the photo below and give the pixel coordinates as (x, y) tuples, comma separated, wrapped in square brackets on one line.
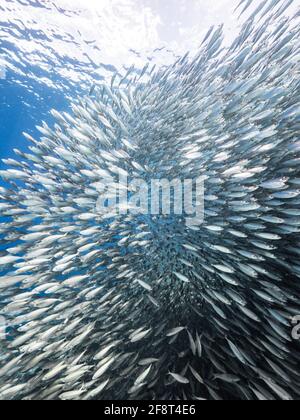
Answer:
[(141, 306)]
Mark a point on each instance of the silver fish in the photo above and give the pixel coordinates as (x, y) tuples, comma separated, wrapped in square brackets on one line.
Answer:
[(94, 304)]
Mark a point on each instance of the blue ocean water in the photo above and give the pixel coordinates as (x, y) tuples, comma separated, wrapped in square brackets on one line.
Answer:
[(19, 113), (51, 52)]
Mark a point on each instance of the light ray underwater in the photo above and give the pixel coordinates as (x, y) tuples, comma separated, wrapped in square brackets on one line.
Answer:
[(139, 306)]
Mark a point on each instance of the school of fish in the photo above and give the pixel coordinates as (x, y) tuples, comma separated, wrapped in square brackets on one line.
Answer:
[(142, 306)]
